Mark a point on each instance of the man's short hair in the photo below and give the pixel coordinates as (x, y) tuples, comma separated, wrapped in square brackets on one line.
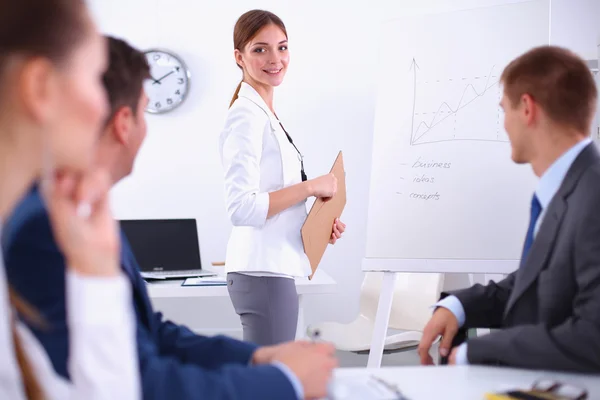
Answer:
[(125, 76), (558, 80)]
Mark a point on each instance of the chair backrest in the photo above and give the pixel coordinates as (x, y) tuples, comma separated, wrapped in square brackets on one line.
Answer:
[(414, 294)]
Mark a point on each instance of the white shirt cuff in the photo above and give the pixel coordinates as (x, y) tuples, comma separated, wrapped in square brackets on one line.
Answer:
[(461, 355), (251, 210), (298, 388), (453, 304), (98, 300), (261, 208), (103, 360)]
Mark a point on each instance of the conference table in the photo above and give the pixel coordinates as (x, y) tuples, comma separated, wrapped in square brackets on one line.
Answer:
[(460, 382)]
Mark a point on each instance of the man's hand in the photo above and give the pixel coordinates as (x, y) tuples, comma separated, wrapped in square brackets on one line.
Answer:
[(452, 358), (444, 323), (265, 354), (82, 222), (312, 363)]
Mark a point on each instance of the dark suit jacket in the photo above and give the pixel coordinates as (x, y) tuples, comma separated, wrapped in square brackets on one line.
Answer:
[(175, 363), (549, 309)]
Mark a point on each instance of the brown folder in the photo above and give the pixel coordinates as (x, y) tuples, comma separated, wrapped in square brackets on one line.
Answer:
[(316, 231)]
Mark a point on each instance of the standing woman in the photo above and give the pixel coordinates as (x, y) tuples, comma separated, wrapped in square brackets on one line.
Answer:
[(52, 106), (265, 188)]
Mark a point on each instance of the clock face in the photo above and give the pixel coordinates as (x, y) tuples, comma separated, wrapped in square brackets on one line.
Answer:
[(169, 83)]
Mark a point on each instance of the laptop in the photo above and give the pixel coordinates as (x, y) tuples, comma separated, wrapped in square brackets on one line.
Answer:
[(165, 248)]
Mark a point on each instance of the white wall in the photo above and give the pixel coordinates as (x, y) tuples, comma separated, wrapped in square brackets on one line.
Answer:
[(576, 25), (327, 104)]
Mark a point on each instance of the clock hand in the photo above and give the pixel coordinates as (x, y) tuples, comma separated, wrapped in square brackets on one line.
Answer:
[(160, 79)]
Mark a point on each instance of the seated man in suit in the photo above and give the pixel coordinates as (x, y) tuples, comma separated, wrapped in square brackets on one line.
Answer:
[(547, 311), (175, 363)]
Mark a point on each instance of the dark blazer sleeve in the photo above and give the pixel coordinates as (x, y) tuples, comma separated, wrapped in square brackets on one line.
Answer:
[(35, 270), (208, 352), (177, 340), (180, 365), (484, 305), (573, 345), (176, 363), (167, 377)]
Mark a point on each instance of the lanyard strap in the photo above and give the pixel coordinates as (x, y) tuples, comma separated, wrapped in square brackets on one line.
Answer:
[(300, 156)]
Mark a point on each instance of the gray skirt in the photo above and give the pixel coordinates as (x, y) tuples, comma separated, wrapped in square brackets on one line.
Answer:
[(267, 306)]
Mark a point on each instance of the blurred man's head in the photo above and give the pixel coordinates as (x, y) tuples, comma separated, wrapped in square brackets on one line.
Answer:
[(125, 128), (549, 103)]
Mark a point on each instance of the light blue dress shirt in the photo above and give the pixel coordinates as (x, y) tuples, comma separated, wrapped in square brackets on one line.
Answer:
[(292, 378), (547, 187)]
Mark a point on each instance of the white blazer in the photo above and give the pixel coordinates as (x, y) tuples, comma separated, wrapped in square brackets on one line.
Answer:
[(258, 158)]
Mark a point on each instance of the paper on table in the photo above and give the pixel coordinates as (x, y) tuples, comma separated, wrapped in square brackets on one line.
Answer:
[(205, 281), (362, 388)]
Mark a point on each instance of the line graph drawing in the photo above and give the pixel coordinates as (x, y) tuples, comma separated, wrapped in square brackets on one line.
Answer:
[(450, 111), (462, 120)]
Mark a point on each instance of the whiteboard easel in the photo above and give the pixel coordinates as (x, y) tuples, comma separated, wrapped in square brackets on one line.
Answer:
[(445, 196)]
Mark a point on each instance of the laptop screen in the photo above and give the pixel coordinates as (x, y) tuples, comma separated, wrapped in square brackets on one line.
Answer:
[(163, 244)]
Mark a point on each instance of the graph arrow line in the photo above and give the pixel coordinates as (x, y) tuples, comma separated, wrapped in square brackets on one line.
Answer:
[(452, 111), (414, 66)]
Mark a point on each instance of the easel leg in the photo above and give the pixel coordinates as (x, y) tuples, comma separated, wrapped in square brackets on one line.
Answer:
[(382, 319)]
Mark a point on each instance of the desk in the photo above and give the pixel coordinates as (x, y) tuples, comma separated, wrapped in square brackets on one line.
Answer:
[(466, 382), (391, 267), (321, 283)]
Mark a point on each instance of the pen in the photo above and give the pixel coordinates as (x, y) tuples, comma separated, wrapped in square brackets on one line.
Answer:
[(389, 386), (314, 335)]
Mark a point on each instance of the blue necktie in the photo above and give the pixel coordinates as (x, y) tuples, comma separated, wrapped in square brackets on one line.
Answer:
[(536, 209)]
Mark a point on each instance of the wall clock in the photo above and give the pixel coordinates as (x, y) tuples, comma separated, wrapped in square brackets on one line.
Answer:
[(170, 81)]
